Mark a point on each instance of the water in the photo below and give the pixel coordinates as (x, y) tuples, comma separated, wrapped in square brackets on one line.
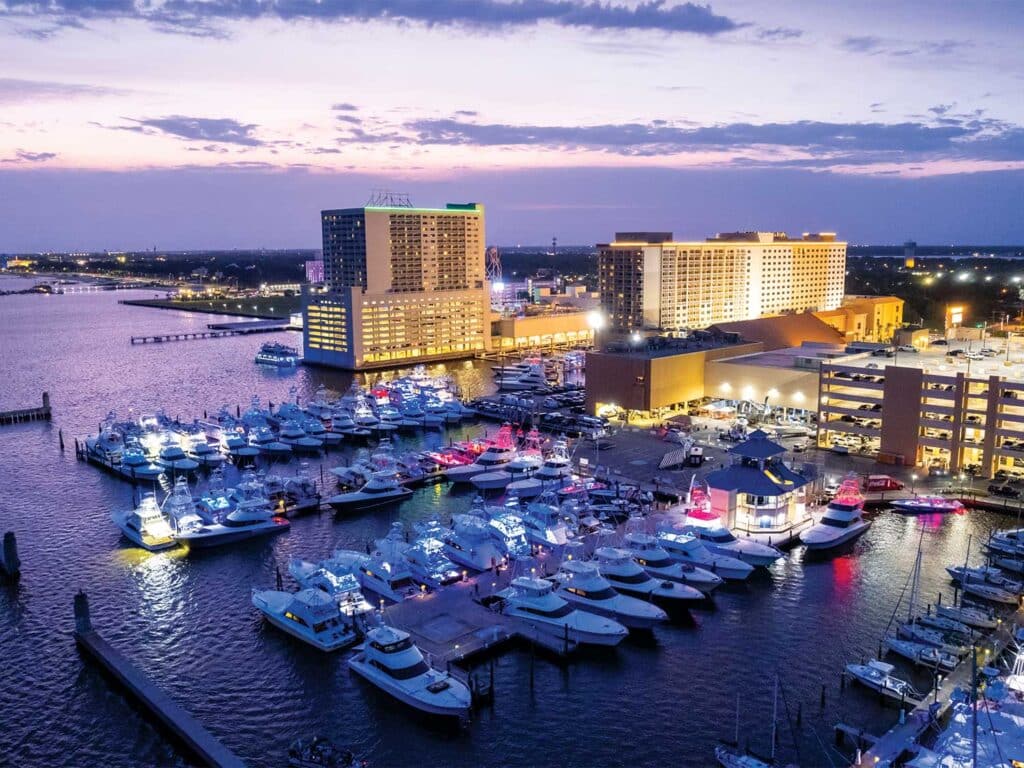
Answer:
[(189, 624)]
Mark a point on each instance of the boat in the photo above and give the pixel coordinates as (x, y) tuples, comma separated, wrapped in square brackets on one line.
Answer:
[(252, 516), (979, 618), (336, 578), (490, 460), (427, 560), (650, 556), (293, 435), (729, 759), (381, 489), (311, 615), (471, 543), (532, 378), (987, 574), (625, 575), (544, 524), (842, 520), (146, 525), (925, 505), (508, 529), (582, 584), (318, 752), (278, 355), (721, 541), (922, 654), (172, 456), (264, 439), (689, 549), (557, 466), (534, 602), (391, 661), (136, 464), (877, 675)]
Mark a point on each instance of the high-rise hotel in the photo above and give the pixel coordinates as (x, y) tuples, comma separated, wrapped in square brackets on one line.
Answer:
[(401, 285), (648, 280)]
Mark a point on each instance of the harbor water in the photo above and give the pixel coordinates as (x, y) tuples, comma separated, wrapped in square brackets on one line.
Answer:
[(188, 622)]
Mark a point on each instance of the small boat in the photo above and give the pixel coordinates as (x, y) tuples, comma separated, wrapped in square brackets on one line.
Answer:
[(392, 662), (582, 584), (278, 355), (877, 675), (318, 752), (924, 505), (920, 634), (534, 602), (650, 555), (146, 525), (311, 615), (979, 618), (984, 574), (381, 489), (922, 654), (842, 521), (626, 576), (730, 759)]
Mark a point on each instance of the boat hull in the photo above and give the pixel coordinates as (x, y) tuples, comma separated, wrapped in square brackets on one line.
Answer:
[(233, 535), (815, 544), (288, 628), (360, 504), (368, 673)]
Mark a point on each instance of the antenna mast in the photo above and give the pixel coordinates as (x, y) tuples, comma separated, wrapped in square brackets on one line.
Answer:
[(382, 198)]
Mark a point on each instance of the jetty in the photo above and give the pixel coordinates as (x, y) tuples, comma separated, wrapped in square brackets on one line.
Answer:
[(240, 329), (42, 413), (170, 715)]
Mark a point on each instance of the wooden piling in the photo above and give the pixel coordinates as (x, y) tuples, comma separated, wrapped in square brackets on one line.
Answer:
[(10, 564)]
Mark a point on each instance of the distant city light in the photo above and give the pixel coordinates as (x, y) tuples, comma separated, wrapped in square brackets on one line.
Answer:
[(498, 287), (635, 337), (595, 319), (963, 276)]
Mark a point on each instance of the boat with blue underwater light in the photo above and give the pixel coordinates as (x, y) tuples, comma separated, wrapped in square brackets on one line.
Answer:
[(278, 355)]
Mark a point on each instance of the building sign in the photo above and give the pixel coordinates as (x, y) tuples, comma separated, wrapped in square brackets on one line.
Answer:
[(955, 315)]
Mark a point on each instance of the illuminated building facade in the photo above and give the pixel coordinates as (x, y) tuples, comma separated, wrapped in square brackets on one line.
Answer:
[(648, 280), (401, 285)]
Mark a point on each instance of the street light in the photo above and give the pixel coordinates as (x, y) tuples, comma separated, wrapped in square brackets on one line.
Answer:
[(913, 484)]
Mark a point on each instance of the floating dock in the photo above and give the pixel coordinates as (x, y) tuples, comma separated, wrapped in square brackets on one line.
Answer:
[(180, 723), (42, 413)]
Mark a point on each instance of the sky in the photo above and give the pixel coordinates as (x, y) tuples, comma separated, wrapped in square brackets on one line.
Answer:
[(129, 124)]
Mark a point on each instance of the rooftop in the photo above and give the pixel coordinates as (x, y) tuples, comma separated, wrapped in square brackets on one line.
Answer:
[(665, 238), (809, 356), (652, 347), (774, 480), (783, 331), (757, 446)]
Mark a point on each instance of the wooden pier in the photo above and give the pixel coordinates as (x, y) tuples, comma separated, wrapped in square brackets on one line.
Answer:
[(196, 335), (42, 413), (176, 720)]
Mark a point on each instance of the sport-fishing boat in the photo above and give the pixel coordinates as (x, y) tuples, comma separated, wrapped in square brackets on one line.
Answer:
[(877, 675), (278, 355), (264, 439), (391, 661), (320, 406), (507, 527), (582, 585), (688, 549), (557, 466), (315, 429), (251, 517), (204, 452), (471, 543), (493, 458), (544, 523), (926, 505), (337, 579), (295, 436), (922, 654), (428, 563), (626, 576), (842, 521), (381, 489), (172, 456), (136, 464), (652, 557), (146, 525), (311, 615), (705, 524), (534, 602)]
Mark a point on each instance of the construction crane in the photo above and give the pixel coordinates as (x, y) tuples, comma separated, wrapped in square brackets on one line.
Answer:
[(493, 265)]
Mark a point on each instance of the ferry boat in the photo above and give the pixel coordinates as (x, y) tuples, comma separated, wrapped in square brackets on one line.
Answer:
[(842, 521), (392, 662), (381, 489), (924, 505), (650, 555), (278, 355), (146, 525), (625, 575), (582, 584), (534, 602), (311, 615)]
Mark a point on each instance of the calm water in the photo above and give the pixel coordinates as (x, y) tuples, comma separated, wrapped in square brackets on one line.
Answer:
[(189, 623)]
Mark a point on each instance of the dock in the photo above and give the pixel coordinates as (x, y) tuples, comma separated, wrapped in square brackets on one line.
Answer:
[(170, 715), (239, 329), (42, 413)]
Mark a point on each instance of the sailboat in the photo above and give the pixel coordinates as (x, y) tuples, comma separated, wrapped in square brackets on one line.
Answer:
[(734, 759)]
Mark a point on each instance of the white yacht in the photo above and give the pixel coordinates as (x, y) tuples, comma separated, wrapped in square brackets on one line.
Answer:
[(842, 521), (203, 451), (688, 549), (471, 543), (557, 466), (720, 540), (392, 662), (382, 488), (146, 525), (136, 464), (172, 456), (544, 524), (493, 458), (336, 578), (534, 378), (653, 558), (429, 564), (626, 575), (534, 602), (507, 527), (391, 580), (922, 654), (877, 676), (251, 516), (295, 436), (311, 615), (582, 584), (267, 443), (979, 618)]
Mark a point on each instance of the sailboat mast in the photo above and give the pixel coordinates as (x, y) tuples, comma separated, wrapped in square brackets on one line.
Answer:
[(737, 720), (775, 714)]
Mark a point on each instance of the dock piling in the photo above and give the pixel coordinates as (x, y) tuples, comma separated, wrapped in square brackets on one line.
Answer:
[(9, 562), (823, 693), (60, 439)]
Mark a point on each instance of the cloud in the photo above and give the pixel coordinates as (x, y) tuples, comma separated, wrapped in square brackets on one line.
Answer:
[(23, 156), (349, 119), (344, 107), (201, 16), (878, 46), (222, 130), (780, 33), (14, 91)]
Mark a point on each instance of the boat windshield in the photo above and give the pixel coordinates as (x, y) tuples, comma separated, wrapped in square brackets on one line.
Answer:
[(403, 673), (395, 647), (634, 578), (648, 562), (593, 594), (831, 521)]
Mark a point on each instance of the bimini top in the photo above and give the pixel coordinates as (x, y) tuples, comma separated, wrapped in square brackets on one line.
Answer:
[(757, 446)]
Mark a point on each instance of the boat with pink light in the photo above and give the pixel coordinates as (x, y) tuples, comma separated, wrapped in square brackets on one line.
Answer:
[(926, 505)]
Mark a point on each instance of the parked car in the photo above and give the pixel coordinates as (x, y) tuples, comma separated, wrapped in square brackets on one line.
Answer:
[(1003, 490), (940, 343), (907, 348)]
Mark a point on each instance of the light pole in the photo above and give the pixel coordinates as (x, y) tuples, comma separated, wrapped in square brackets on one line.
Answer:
[(913, 484)]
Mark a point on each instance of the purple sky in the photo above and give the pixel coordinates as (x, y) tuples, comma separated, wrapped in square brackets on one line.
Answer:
[(187, 124)]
